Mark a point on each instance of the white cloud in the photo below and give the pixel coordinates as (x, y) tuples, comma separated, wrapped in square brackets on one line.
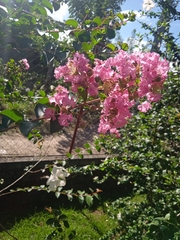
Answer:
[(60, 15)]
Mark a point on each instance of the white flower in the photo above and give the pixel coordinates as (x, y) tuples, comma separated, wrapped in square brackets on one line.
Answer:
[(148, 5), (119, 217), (57, 178)]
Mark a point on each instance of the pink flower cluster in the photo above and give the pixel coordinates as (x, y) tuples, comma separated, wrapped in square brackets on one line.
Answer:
[(79, 73), (25, 63), (124, 79), (64, 101)]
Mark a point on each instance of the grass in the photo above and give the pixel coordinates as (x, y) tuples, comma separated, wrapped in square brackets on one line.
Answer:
[(24, 217), (87, 224)]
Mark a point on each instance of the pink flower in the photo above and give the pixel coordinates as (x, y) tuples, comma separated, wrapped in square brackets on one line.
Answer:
[(144, 107), (153, 97), (25, 63), (115, 113), (49, 113), (65, 119), (124, 79), (62, 97), (115, 132), (78, 72)]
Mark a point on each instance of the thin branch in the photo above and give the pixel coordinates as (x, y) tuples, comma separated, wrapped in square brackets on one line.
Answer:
[(10, 185), (76, 127)]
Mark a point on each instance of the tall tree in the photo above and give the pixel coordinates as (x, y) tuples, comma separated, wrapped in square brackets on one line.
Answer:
[(79, 8), (168, 14), (164, 42)]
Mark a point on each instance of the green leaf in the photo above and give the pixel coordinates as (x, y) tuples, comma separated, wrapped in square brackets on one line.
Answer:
[(42, 93), (75, 32), (168, 216), (89, 151), (70, 197), (44, 100), (98, 148), (87, 22), (56, 5), (50, 221), (55, 35), (60, 55), (111, 46), (2, 95), (62, 217), (155, 223), (41, 10), (84, 36), (96, 195), (81, 155), (89, 200), (69, 155), (95, 32), (26, 126), (31, 19), (13, 114), (97, 20), (6, 121), (77, 46), (91, 55), (120, 15), (110, 33), (102, 96), (72, 22), (48, 5), (57, 194), (81, 199), (87, 145), (3, 13), (124, 46), (66, 224), (82, 93), (77, 150), (49, 45), (30, 93), (1, 127), (72, 235), (39, 110), (87, 46), (55, 126)]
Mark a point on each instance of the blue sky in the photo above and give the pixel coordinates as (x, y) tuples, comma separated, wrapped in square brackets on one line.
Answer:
[(136, 5)]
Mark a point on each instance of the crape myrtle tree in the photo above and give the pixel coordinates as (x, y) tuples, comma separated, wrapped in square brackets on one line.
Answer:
[(94, 76), (95, 71)]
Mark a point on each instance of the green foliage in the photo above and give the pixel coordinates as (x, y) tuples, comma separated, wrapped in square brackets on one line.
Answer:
[(146, 158), (58, 223), (164, 41), (79, 9)]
